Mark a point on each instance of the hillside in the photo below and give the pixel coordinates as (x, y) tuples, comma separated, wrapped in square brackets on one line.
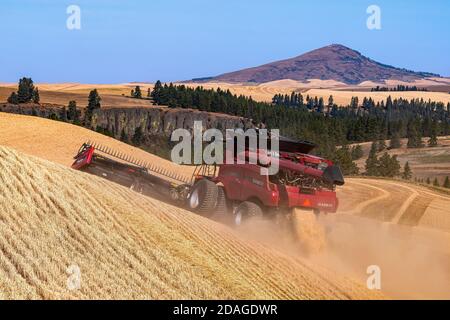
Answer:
[(59, 142), (128, 246), (427, 162), (334, 62), (363, 202)]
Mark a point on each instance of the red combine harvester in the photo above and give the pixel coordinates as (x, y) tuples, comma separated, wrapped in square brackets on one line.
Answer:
[(235, 191)]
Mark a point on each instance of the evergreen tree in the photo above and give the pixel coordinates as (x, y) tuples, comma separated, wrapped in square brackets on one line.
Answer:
[(25, 90), (414, 135), (372, 161), (357, 152), (343, 157), (13, 98), (446, 183), (35, 96), (388, 166), (381, 145), (93, 104), (436, 182), (428, 181), (433, 142), (407, 173), (157, 92), (137, 93), (330, 101), (138, 137), (63, 114), (395, 143), (72, 112)]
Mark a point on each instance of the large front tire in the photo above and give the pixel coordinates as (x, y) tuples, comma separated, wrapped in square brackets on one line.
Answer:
[(245, 211), (203, 197)]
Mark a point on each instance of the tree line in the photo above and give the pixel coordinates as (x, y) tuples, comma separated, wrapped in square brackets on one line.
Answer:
[(399, 87), (312, 119), (306, 118)]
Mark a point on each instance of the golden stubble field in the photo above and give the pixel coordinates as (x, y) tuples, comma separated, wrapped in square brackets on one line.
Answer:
[(130, 246), (114, 95)]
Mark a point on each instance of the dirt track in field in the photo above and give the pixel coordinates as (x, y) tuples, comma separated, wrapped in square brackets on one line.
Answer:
[(401, 227)]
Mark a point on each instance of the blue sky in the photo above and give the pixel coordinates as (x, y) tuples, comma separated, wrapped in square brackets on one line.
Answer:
[(138, 40)]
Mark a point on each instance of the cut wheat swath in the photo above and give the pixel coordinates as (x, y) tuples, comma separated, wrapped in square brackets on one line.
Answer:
[(128, 246)]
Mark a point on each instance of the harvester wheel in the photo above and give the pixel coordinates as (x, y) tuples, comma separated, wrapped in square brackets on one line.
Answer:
[(245, 211), (222, 206), (203, 197), (307, 231)]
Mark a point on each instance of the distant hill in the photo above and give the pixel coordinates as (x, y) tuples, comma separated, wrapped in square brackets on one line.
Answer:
[(334, 62)]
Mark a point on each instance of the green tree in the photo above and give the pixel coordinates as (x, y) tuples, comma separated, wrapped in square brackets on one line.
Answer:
[(436, 182), (93, 104), (25, 90), (137, 93), (63, 114), (13, 98), (138, 137), (357, 152), (72, 112), (428, 181), (343, 157), (395, 143), (372, 161), (433, 142), (381, 145), (156, 94), (35, 96), (414, 135), (407, 173), (446, 183), (388, 166)]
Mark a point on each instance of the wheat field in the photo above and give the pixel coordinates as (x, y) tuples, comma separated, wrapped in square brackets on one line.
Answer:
[(115, 95), (128, 246)]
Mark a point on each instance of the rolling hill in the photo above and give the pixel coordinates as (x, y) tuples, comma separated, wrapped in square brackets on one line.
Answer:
[(333, 62)]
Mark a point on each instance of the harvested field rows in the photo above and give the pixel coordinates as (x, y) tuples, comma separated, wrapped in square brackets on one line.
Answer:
[(129, 246)]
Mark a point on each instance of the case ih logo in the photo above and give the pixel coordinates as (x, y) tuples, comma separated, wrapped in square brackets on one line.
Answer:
[(325, 205)]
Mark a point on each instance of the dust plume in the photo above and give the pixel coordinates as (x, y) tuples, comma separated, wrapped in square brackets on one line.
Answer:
[(414, 262)]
